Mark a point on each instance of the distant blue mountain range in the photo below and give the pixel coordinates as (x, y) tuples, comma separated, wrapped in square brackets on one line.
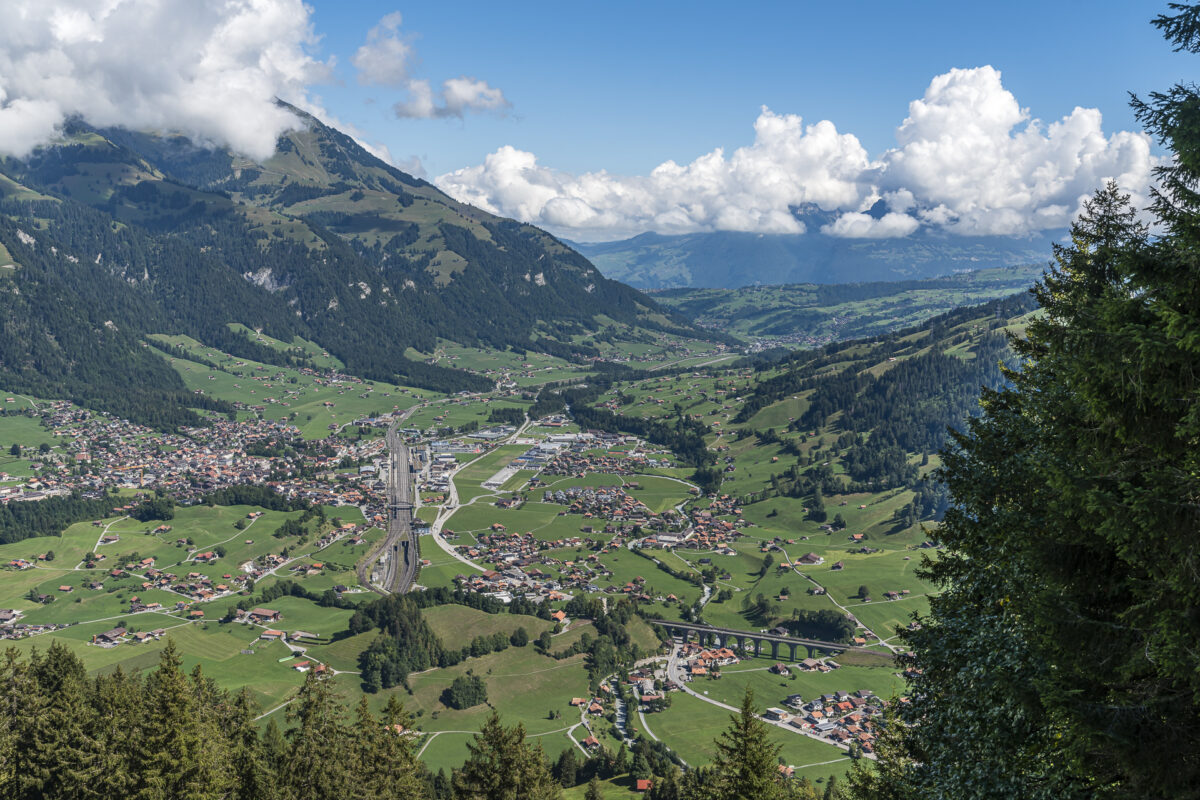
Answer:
[(730, 260)]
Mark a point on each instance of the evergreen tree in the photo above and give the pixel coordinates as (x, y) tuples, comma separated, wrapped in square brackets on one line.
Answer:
[(181, 753), (394, 770), (253, 771), (503, 766), (746, 766), (593, 790), (117, 726), (274, 752), (318, 764), (566, 767), (54, 749), (666, 787), (1073, 535)]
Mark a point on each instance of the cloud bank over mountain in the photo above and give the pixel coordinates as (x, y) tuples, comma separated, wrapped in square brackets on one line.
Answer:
[(209, 70), (968, 159)]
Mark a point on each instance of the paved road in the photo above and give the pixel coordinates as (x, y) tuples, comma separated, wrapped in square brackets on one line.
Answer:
[(452, 505)]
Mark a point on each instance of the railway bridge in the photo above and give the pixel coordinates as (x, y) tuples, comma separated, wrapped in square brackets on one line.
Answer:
[(722, 637)]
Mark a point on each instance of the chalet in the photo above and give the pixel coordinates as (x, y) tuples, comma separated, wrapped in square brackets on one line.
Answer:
[(109, 638), (810, 559), (643, 785), (264, 615), (271, 635), (839, 565)]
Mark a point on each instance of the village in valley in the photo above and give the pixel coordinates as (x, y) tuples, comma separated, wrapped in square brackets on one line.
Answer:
[(532, 513)]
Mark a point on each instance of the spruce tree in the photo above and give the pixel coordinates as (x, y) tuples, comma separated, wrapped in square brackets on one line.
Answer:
[(503, 766), (392, 769), (319, 760), (746, 766), (566, 768), (252, 769), (181, 752), (118, 702), (56, 753), (666, 787), (274, 753), (1073, 536)]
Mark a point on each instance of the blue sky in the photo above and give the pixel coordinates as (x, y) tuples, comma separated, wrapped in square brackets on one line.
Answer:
[(625, 86), (599, 121)]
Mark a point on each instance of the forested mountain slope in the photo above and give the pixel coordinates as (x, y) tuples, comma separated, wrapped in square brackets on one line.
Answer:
[(117, 234)]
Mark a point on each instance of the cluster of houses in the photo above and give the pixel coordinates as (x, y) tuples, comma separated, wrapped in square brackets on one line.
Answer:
[(609, 502), (707, 529), (700, 662), (117, 636), (11, 626), (577, 462), (500, 547), (649, 690), (841, 717), (195, 586), (509, 582)]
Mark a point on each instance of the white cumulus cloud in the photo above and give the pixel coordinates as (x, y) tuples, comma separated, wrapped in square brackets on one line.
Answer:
[(968, 159), (856, 225), (979, 164), (753, 189), (457, 97), (208, 68), (384, 59)]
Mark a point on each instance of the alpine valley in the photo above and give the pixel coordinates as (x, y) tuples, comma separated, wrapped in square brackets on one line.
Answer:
[(319, 484)]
